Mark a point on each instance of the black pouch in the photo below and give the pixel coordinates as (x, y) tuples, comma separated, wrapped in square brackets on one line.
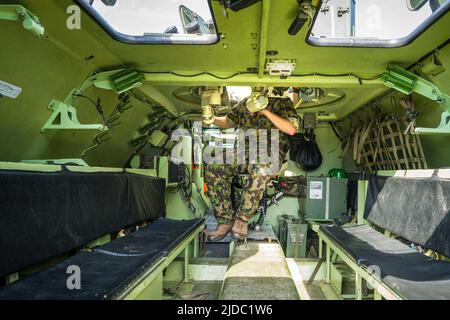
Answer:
[(308, 155), (294, 144)]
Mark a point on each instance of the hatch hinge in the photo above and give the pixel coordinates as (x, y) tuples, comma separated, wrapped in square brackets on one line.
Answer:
[(19, 13), (407, 82)]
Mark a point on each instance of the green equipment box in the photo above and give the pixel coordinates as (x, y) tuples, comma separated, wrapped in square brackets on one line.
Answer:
[(326, 199), (281, 225), (292, 236)]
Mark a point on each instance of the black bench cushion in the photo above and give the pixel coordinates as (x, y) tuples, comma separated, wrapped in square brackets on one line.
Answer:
[(107, 270), (407, 272), (417, 209), (162, 235), (44, 215)]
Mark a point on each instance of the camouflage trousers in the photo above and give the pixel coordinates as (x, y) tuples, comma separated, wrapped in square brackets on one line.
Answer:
[(218, 178)]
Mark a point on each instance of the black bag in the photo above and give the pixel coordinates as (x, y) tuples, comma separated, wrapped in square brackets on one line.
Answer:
[(294, 143), (308, 155)]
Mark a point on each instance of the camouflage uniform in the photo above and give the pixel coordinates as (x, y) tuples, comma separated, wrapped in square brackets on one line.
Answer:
[(219, 176)]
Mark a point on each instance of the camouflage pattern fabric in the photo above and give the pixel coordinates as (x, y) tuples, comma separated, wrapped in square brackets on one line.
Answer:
[(219, 176), (293, 186), (244, 120)]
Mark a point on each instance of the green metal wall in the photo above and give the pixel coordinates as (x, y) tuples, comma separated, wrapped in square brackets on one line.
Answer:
[(49, 68), (436, 147), (44, 71)]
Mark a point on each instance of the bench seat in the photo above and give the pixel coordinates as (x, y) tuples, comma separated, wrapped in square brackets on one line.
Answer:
[(405, 271), (109, 269), (47, 214)]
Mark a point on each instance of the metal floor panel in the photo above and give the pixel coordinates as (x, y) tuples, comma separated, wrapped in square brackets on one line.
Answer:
[(258, 271), (266, 233)]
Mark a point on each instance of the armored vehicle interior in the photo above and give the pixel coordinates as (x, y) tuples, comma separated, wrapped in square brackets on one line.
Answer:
[(107, 110)]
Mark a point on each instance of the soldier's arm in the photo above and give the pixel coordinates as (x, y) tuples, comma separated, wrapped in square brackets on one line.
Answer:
[(223, 122), (282, 124)]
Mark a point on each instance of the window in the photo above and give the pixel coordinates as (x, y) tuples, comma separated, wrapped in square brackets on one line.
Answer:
[(155, 21), (237, 94), (374, 23)]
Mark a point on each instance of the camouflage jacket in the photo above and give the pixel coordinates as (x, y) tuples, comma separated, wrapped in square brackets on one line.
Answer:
[(244, 120)]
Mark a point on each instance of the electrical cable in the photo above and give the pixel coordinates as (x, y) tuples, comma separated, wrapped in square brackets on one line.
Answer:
[(79, 95), (198, 74), (337, 75), (322, 104), (180, 117), (338, 135), (143, 100), (373, 103), (136, 152), (250, 72), (98, 106), (185, 186)]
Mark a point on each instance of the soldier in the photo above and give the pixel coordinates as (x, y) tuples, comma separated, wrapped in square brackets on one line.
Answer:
[(279, 114)]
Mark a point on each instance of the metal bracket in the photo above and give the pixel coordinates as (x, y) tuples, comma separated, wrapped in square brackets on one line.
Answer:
[(407, 82), (443, 128), (19, 13), (120, 80), (64, 117)]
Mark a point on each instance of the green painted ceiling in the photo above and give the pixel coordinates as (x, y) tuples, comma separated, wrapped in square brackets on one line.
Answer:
[(50, 68)]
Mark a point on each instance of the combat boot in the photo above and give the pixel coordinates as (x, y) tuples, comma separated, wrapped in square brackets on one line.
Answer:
[(240, 229), (221, 232)]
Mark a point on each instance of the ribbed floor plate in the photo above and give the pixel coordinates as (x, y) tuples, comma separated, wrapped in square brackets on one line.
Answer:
[(258, 271)]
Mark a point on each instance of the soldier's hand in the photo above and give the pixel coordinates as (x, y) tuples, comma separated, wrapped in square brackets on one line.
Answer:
[(208, 121), (257, 102), (208, 116)]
